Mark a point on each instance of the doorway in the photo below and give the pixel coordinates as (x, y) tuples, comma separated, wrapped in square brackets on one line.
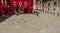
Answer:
[(25, 10)]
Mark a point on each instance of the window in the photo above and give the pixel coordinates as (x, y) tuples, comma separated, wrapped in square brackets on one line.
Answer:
[(55, 3), (14, 3), (48, 8), (40, 2), (48, 4), (20, 3), (25, 3), (54, 9), (36, 8), (43, 5)]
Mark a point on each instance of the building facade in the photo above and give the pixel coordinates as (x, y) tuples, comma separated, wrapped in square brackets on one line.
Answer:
[(7, 6), (37, 4), (52, 7)]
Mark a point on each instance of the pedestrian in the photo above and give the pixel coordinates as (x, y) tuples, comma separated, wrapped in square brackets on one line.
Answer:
[(20, 10), (16, 10), (37, 13), (33, 12)]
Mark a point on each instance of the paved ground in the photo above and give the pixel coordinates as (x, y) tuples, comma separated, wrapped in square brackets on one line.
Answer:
[(28, 23)]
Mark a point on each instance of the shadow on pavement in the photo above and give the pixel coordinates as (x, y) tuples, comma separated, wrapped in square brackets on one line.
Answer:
[(8, 16), (5, 17)]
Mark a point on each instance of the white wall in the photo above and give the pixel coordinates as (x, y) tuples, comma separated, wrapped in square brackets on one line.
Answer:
[(34, 4), (52, 6)]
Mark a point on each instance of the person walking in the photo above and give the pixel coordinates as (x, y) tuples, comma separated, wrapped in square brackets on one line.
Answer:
[(15, 10)]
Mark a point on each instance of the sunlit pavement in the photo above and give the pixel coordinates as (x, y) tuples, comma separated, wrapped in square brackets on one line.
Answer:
[(29, 23)]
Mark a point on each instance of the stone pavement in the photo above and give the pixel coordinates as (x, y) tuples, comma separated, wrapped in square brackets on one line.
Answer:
[(28, 23)]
